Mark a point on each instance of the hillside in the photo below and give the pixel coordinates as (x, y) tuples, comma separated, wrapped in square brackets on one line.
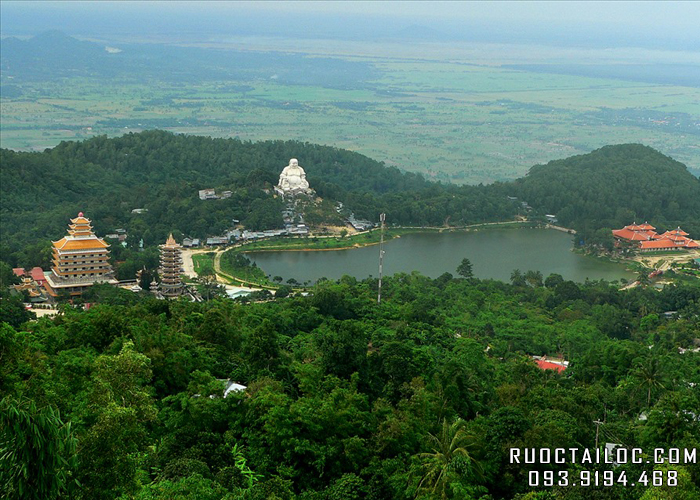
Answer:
[(163, 172), (615, 186)]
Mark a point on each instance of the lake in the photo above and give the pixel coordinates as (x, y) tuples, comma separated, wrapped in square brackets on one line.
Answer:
[(494, 253)]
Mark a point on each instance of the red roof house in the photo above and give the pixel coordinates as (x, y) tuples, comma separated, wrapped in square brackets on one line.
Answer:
[(549, 365), (37, 275)]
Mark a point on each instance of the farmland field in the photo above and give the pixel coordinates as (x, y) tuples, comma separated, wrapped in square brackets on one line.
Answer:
[(458, 114)]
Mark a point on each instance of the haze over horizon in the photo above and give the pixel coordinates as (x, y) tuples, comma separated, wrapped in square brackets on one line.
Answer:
[(660, 25)]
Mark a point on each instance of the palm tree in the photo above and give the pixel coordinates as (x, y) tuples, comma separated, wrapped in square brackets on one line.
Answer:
[(450, 457), (649, 375)]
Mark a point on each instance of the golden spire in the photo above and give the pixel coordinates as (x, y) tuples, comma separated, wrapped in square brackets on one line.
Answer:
[(170, 242)]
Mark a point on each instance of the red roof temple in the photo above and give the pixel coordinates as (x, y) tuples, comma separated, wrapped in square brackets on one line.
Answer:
[(649, 240)]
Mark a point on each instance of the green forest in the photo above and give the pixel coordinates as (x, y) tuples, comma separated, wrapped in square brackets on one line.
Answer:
[(420, 397), (162, 172), (613, 187)]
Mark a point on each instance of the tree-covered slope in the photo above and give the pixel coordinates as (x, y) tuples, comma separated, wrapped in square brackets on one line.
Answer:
[(163, 172), (347, 398), (614, 186), (160, 171)]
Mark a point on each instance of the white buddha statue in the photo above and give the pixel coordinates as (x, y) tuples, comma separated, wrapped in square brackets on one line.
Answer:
[(293, 179)]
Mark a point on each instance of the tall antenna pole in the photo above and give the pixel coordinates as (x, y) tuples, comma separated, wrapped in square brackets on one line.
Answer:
[(382, 219)]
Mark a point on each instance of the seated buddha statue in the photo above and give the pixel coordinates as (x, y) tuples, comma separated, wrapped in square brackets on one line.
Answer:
[(293, 179)]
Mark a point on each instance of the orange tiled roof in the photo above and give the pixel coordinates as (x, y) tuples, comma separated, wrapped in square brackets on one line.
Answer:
[(548, 365), (640, 227), (631, 235), (80, 219), (86, 244), (676, 234), (675, 237), (677, 231), (664, 243), (649, 239)]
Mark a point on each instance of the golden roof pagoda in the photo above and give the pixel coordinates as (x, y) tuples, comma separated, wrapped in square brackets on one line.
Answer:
[(79, 260)]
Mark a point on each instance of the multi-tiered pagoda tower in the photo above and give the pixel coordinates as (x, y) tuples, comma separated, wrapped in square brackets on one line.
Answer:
[(80, 260), (170, 269)]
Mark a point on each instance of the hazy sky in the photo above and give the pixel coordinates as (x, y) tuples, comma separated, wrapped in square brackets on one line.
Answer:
[(631, 22), (668, 14)]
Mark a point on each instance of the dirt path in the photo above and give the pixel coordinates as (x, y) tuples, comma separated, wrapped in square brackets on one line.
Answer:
[(221, 277), (188, 263), (244, 283), (219, 272), (664, 262)]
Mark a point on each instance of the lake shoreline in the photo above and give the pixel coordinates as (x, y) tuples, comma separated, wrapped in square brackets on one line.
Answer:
[(394, 233), (431, 251)]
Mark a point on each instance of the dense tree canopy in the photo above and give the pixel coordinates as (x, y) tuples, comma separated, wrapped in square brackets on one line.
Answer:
[(615, 186), (419, 397)]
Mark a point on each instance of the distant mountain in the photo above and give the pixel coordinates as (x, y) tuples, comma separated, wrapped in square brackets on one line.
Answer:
[(53, 55), (614, 186), (56, 43)]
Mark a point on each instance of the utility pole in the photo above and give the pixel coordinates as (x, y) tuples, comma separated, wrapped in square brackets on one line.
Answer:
[(382, 219), (597, 423)]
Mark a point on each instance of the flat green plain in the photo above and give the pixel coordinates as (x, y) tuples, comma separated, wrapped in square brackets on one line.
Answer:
[(455, 115)]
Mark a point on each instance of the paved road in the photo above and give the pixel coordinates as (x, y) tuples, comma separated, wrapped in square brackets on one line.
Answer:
[(44, 312)]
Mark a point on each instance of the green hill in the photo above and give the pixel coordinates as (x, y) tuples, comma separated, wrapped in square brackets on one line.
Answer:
[(615, 186), (163, 172)]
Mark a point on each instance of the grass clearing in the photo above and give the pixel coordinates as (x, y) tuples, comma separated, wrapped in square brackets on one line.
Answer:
[(203, 263)]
